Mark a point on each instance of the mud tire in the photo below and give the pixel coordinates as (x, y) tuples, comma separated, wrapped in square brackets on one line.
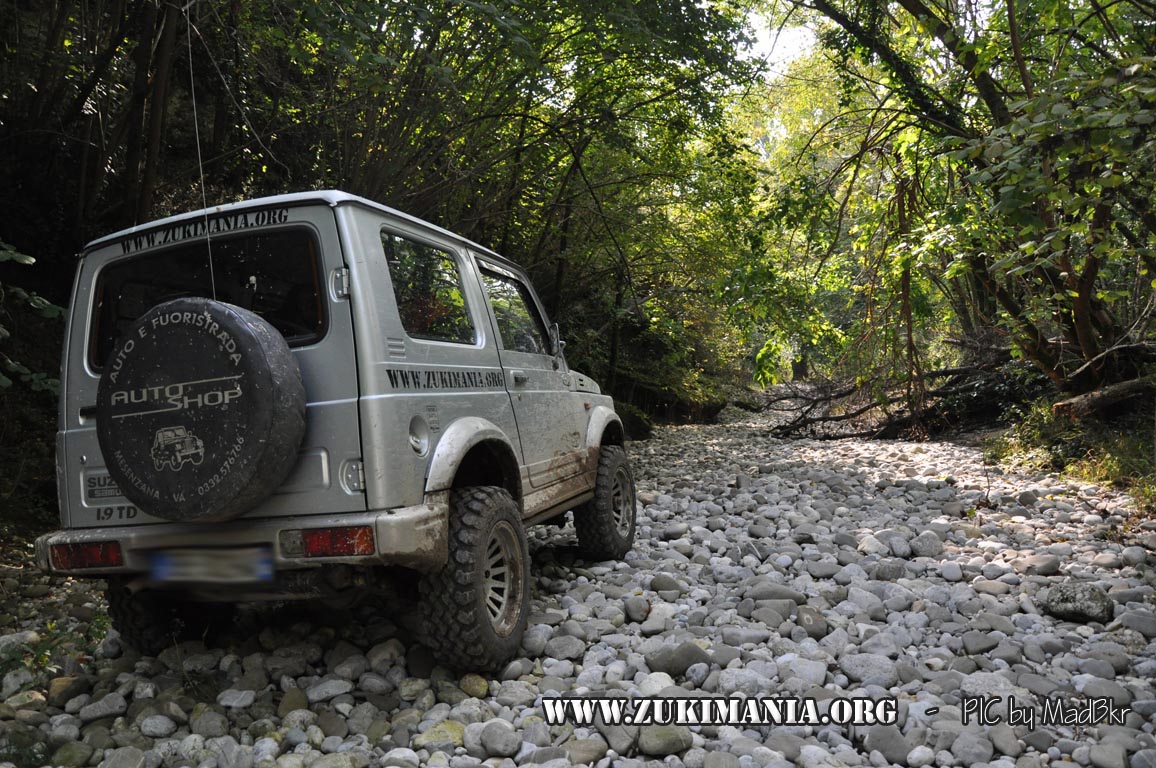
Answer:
[(475, 606), (605, 524)]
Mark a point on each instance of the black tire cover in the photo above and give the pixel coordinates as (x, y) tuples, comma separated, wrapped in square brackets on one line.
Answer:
[(200, 411)]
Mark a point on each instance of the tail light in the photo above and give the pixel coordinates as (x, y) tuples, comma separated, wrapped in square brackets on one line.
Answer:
[(329, 542), (75, 557)]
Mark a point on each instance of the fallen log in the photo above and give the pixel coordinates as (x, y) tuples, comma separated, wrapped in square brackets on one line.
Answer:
[(835, 410), (1096, 401)]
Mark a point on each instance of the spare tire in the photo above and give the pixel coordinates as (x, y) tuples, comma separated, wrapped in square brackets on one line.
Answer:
[(200, 411)]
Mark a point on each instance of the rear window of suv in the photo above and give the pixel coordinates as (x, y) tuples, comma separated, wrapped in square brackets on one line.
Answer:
[(275, 274)]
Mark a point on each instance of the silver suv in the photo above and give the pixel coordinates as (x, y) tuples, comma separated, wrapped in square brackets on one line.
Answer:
[(299, 395)]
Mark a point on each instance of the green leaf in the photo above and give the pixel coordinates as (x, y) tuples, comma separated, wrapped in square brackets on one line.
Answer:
[(8, 253)]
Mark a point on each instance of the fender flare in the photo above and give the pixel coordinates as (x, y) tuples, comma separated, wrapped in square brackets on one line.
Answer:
[(459, 439), (600, 417)]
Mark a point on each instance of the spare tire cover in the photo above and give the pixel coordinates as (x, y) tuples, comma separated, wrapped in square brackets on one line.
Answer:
[(200, 411)]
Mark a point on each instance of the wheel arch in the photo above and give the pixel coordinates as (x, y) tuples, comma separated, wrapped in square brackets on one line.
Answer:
[(473, 451), (605, 428)]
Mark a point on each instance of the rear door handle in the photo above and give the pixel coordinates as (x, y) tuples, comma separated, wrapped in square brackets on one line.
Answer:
[(520, 377)]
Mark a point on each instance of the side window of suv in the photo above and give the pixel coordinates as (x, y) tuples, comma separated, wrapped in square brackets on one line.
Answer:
[(427, 285), (519, 324)]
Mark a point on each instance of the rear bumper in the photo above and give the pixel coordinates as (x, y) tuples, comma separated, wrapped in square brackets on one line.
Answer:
[(414, 537)]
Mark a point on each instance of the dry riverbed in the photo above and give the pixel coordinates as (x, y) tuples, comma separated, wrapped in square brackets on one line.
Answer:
[(762, 568)]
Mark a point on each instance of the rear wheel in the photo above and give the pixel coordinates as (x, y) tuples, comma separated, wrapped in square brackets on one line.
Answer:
[(605, 524), (151, 621), (476, 605)]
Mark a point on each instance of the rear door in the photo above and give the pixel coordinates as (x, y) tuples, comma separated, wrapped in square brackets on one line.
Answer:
[(285, 264), (548, 414)]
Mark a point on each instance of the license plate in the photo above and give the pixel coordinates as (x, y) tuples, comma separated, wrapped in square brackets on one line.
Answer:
[(215, 566)]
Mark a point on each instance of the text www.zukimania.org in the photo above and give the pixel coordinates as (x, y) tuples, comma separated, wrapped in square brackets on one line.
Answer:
[(715, 710)]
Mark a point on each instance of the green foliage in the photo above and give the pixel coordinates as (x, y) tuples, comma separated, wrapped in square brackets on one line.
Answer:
[(963, 178), (1070, 173), (1119, 451), (933, 185), (27, 404), (587, 141), (836, 262), (995, 396), (14, 299), (8, 253)]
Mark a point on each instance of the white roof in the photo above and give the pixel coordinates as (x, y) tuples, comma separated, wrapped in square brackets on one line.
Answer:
[(330, 197)]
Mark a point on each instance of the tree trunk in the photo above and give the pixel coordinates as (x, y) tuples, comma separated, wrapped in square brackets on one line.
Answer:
[(157, 107), (904, 198), (1099, 400), (560, 266), (612, 374), (799, 367), (51, 54), (221, 120), (142, 58), (101, 63)]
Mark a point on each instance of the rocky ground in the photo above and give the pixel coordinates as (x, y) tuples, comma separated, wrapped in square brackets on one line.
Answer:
[(762, 567)]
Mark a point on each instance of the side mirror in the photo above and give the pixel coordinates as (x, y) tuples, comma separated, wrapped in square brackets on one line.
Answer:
[(557, 345)]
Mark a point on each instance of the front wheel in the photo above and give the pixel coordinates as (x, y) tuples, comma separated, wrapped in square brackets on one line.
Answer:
[(605, 524), (476, 605)]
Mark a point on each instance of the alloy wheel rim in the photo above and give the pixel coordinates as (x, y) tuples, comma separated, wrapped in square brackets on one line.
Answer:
[(622, 502), (502, 579)]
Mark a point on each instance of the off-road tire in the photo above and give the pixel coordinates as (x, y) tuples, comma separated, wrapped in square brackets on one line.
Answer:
[(475, 606), (151, 621), (605, 524)]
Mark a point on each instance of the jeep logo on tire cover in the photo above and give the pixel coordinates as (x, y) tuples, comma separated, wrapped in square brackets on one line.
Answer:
[(174, 446), (200, 410)]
